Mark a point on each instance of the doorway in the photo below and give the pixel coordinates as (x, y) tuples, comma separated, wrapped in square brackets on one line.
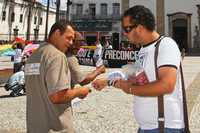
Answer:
[(180, 30), (180, 33)]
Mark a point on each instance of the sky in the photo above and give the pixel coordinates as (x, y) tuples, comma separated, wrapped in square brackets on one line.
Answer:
[(52, 3)]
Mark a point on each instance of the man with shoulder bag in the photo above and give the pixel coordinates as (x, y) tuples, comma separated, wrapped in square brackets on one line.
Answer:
[(158, 102)]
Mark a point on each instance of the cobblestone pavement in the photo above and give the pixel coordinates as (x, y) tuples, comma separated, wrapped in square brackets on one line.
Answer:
[(193, 101), (109, 111)]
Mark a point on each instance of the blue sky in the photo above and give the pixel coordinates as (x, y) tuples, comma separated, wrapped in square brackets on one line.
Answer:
[(52, 3)]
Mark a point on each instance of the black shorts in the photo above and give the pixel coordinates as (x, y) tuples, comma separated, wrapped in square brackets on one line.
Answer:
[(17, 67)]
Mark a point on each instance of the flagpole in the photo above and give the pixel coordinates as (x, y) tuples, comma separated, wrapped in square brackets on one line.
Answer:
[(57, 10), (47, 21)]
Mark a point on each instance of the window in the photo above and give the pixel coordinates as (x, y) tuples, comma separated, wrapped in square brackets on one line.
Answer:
[(116, 9), (21, 18), (40, 21), (92, 9), (4, 15), (35, 20), (12, 17), (79, 9), (104, 9)]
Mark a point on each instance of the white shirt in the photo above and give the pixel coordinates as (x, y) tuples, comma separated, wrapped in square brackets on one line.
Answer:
[(98, 51), (146, 108), (109, 47), (18, 56), (98, 55)]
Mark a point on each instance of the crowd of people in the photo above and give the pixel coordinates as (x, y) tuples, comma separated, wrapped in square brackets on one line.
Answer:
[(52, 71)]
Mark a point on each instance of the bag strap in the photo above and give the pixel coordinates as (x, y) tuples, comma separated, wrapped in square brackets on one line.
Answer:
[(161, 120), (185, 110)]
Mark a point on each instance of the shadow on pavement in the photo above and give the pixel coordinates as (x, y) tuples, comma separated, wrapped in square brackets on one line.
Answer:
[(8, 96)]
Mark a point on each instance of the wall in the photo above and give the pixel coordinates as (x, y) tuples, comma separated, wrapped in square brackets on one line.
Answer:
[(98, 5), (151, 4)]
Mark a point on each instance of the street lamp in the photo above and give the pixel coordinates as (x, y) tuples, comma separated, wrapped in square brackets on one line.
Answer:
[(47, 21), (15, 31), (30, 5), (67, 11), (36, 33), (57, 10)]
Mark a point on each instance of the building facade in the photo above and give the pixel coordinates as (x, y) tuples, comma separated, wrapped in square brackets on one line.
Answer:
[(96, 19), (14, 16), (180, 21)]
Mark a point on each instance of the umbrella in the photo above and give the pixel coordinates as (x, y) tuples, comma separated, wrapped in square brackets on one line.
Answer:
[(28, 49)]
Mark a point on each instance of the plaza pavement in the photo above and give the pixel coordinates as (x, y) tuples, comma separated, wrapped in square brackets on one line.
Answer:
[(109, 111)]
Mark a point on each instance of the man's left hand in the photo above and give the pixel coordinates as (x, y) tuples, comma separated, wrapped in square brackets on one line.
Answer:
[(124, 85)]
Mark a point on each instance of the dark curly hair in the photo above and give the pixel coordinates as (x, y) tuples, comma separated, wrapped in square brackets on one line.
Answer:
[(141, 15), (60, 25)]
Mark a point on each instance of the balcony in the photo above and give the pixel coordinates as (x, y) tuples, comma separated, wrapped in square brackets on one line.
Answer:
[(96, 17)]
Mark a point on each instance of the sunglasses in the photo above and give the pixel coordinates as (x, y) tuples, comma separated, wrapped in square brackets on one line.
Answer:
[(128, 29)]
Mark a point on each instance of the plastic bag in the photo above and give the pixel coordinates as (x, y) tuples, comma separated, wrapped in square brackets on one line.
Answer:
[(116, 75), (135, 73)]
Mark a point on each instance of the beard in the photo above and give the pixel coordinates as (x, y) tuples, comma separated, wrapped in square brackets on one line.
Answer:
[(135, 39)]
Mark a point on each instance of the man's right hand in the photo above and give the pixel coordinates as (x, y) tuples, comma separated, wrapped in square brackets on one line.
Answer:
[(99, 84), (82, 92)]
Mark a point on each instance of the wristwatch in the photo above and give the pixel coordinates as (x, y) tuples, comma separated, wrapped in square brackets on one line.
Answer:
[(110, 82)]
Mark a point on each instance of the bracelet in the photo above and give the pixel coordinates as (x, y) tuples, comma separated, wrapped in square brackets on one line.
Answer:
[(110, 82)]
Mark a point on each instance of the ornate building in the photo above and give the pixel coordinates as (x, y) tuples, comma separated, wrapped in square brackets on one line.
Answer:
[(23, 19), (96, 19)]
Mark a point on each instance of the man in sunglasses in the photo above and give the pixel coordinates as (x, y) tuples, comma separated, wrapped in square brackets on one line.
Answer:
[(139, 27)]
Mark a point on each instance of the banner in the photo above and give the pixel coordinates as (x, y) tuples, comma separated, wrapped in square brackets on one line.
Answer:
[(120, 55), (91, 25), (111, 58)]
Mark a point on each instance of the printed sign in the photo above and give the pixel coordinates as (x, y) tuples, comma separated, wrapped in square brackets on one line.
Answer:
[(32, 69), (111, 58)]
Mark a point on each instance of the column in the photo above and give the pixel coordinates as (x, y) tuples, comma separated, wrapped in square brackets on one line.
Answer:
[(160, 17)]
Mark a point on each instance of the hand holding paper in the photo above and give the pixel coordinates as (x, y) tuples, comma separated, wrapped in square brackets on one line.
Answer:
[(135, 73)]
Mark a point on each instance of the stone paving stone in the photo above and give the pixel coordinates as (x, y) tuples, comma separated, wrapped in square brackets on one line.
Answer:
[(193, 101), (193, 92), (109, 111)]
